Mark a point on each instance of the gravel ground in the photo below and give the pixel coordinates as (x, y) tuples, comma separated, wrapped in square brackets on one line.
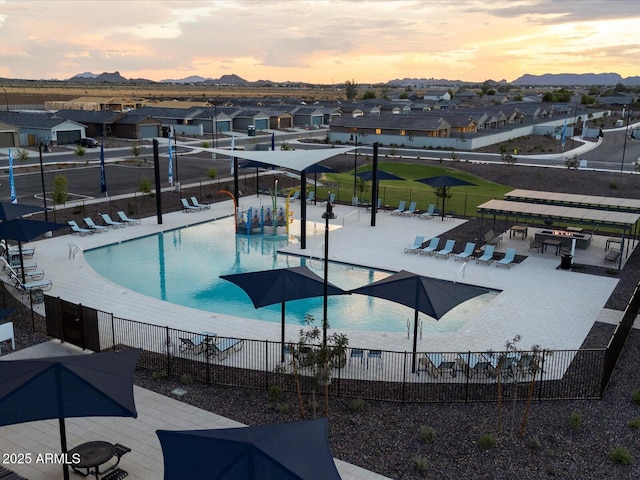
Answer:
[(384, 437)]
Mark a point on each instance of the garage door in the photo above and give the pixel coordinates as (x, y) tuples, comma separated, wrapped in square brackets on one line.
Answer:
[(6, 139), (262, 124), (149, 131), (66, 137)]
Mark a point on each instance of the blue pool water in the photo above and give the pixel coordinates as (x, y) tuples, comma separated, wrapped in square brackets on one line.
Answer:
[(183, 266)]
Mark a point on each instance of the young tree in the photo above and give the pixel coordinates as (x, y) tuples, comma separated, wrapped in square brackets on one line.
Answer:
[(22, 155), (60, 192), (351, 89)]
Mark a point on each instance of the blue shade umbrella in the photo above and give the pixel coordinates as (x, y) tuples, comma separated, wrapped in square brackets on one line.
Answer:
[(103, 177), (316, 168), (67, 387), (445, 182), (268, 287), (288, 451), (11, 211), (431, 296), (382, 175)]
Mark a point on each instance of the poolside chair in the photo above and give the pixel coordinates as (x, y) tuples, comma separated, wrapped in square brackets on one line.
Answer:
[(430, 212), (490, 238), (13, 251), (77, 229), (467, 253), (31, 275), (417, 245), (127, 220), (199, 205), (374, 355), (487, 256), (411, 210), (332, 199), (311, 196), (533, 245), (612, 255), (356, 353), (447, 250), (436, 364), (295, 196), (475, 365), (432, 247), (400, 209), (220, 349), (92, 226), (509, 258), (28, 287), (186, 207), (110, 223)]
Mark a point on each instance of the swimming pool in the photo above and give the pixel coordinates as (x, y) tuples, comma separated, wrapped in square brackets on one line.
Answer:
[(183, 266)]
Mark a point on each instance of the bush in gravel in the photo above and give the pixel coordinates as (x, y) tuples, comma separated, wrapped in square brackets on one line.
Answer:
[(186, 378), (620, 455), (275, 393), (421, 463), (635, 423), (636, 396), (358, 404), (159, 374), (427, 434), (534, 443), (487, 441), (575, 421), (281, 407), (313, 405)]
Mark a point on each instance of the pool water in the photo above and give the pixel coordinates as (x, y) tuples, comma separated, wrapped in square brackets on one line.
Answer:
[(183, 266)]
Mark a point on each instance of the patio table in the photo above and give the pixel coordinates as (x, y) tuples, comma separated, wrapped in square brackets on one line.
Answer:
[(90, 456)]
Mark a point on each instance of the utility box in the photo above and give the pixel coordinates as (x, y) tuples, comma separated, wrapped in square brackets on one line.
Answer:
[(251, 131)]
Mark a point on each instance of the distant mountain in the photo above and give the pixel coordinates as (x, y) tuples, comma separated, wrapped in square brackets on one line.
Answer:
[(558, 79), (84, 75), (105, 77), (191, 79), (405, 82), (232, 79)]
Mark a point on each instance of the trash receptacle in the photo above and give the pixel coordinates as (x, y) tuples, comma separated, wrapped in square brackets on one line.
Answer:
[(251, 131), (565, 263)]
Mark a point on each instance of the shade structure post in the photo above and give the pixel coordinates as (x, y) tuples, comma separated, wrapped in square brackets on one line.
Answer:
[(156, 170), (415, 342), (282, 333), (328, 214), (44, 192), (303, 209), (374, 190)]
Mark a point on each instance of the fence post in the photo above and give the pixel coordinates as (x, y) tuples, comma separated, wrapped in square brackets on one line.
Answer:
[(541, 375), (168, 344), (113, 334), (266, 364), (466, 382), (404, 377)]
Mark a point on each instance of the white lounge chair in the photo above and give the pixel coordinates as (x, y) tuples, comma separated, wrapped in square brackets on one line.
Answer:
[(196, 203), (96, 228), (75, 228), (487, 256), (130, 221), (430, 212), (411, 210), (30, 274), (188, 208), (13, 251), (107, 220), (509, 258), (447, 250), (400, 209), (417, 245), (311, 196), (43, 285), (432, 247), (467, 253), (221, 348)]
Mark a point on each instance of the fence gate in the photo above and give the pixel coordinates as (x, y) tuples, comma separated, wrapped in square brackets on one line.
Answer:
[(72, 323)]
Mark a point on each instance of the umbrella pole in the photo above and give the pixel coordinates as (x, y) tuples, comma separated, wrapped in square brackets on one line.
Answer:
[(63, 445), (415, 341), (282, 336), (21, 260)]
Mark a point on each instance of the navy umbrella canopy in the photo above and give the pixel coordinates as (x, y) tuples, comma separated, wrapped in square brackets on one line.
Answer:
[(382, 175), (11, 211), (444, 182), (316, 168), (267, 287), (431, 296), (289, 451), (70, 386)]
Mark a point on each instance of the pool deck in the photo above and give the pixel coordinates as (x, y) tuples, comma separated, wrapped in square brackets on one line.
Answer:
[(546, 306)]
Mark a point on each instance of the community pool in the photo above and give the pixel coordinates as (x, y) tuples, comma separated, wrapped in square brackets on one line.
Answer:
[(183, 266)]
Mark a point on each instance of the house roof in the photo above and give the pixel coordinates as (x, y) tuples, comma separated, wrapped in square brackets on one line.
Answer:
[(33, 120)]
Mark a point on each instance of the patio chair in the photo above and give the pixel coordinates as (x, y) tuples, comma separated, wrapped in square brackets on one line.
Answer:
[(612, 255), (476, 364), (432, 247), (436, 364), (311, 196), (411, 210), (509, 258), (75, 228), (295, 196), (110, 223), (129, 221), (533, 245), (447, 250), (490, 238), (430, 212), (199, 205), (400, 209), (92, 226), (487, 256), (467, 253), (417, 245), (31, 286), (13, 251), (31, 275), (186, 207), (222, 348), (356, 353), (375, 355), (332, 199)]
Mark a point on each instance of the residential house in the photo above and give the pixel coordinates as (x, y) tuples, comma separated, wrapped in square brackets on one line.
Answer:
[(36, 128)]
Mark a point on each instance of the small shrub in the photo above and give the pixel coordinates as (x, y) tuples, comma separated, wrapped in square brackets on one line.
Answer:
[(135, 150), (534, 443), (281, 407), (635, 423), (636, 396), (275, 393), (60, 190), (421, 463), (313, 405), (575, 421), (613, 185), (358, 405), (427, 434), (204, 144), (145, 185), (159, 374), (487, 441), (80, 151), (186, 378), (621, 456)]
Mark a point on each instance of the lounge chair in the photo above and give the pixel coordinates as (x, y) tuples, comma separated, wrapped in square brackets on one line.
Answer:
[(110, 223), (487, 256), (295, 196), (467, 253), (201, 206), (509, 258), (375, 355), (28, 287), (75, 228), (447, 250), (197, 344), (311, 196), (490, 238), (92, 226), (400, 209), (188, 208), (533, 245), (417, 245), (411, 210), (31, 274), (432, 247), (220, 349), (430, 212), (332, 199), (127, 220), (13, 251), (357, 353), (436, 364), (475, 364), (612, 255)]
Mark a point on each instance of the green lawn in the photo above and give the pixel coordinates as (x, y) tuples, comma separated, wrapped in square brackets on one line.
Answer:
[(463, 201)]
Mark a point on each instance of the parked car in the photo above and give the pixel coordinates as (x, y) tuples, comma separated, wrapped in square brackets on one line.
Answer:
[(88, 142)]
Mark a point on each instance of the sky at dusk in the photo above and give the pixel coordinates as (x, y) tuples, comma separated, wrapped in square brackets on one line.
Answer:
[(318, 41)]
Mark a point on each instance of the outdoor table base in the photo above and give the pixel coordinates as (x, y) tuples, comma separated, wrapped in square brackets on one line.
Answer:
[(553, 243), (91, 456)]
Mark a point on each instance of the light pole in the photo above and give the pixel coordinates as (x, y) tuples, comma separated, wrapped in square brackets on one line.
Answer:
[(355, 166), (626, 134), (44, 193), (6, 98), (328, 214)]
